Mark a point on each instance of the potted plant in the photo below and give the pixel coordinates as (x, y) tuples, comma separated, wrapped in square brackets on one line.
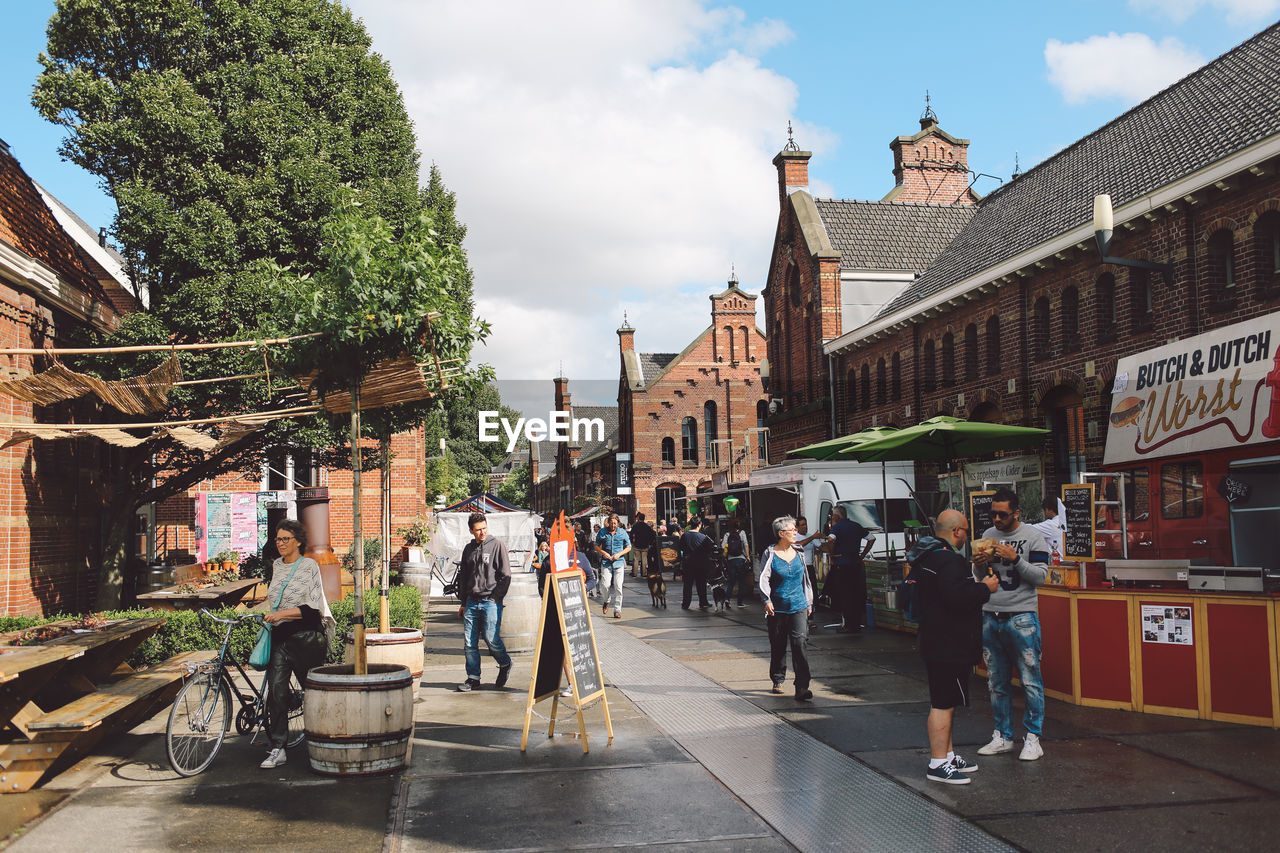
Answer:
[(415, 536), (227, 560)]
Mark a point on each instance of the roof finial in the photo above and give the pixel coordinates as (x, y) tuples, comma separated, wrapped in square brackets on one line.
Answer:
[(733, 276), (928, 117), (1017, 169), (791, 142)]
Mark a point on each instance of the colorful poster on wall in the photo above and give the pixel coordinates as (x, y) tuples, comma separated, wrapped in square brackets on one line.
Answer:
[(1167, 625), (217, 525)]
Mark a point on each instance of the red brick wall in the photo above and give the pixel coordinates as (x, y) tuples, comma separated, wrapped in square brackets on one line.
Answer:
[(931, 170), (1085, 365)]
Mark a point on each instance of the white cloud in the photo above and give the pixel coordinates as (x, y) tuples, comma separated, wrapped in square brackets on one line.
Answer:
[(1236, 11), (606, 156), (1130, 66)]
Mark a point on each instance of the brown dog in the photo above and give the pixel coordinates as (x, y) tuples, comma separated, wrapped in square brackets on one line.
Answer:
[(657, 589)]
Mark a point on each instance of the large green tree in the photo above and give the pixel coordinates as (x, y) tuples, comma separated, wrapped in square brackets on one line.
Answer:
[(254, 147)]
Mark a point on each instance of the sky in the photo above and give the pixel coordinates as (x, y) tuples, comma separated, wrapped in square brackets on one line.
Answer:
[(612, 158)]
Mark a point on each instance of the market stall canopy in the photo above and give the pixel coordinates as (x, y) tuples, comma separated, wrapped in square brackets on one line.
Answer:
[(482, 502), (137, 395), (588, 512), (833, 448), (946, 438)]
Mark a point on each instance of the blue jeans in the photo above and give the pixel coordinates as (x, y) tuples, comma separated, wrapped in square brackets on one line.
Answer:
[(736, 575), (1006, 643), (483, 616)]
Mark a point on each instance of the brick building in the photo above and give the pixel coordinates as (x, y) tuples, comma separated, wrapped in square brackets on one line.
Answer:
[(835, 263), (55, 279), (683, 417), (1013, 319), (572, 475)]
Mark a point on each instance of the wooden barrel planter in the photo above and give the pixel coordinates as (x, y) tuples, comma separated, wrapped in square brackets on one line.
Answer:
[(401, 646), (158, 577), (419, 575), (520, 610), (358, 725)]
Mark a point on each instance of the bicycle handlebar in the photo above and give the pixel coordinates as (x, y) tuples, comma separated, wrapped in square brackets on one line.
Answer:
[(248, 617)]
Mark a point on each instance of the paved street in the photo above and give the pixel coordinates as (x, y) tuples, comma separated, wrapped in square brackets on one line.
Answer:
[(704, 758)]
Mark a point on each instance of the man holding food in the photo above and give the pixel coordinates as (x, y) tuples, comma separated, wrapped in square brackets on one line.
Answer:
[(1018, 555)]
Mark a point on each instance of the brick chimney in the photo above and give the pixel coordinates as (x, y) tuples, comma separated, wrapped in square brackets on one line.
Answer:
[(793, 169), (563, 397), (733, 318), (626, 337), (931, 167)]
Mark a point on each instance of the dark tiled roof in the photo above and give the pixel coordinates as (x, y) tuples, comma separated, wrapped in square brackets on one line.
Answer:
[(28, 225), (608, 414), (883, 235), (1226, 106), (653, 363)]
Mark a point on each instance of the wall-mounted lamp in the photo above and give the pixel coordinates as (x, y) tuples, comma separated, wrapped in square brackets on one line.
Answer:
[(1104, 227), (764, 375)]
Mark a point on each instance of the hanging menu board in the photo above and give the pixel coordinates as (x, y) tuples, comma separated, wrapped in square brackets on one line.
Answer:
[(1077, 537), (980, 513)]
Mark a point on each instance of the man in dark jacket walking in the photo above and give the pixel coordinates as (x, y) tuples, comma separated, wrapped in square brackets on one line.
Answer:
[(950, 638), (483, 579), (696, 553)]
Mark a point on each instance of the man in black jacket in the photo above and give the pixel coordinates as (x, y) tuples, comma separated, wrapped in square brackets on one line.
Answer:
[(483, 579), (696, 552), (950, 638), (642, 539)]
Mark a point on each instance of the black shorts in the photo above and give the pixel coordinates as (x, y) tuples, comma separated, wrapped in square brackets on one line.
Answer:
[(948, 684)]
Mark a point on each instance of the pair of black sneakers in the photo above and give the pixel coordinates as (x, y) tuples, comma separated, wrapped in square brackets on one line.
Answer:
[(504, 672)]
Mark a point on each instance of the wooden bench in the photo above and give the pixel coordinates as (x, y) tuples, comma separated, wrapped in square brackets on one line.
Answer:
[(60, 736)]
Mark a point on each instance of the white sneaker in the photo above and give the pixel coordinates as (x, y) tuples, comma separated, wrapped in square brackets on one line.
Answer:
[(274, 758), (999, 743), (1031, 749)]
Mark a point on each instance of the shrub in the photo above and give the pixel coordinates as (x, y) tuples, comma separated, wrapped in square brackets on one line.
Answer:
[(186, 631)]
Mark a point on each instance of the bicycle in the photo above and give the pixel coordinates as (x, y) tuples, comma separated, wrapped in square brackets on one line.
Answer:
[(201, 712)]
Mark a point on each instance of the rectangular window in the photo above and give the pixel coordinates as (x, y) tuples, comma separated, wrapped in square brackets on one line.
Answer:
[(1182, 489), (1137, 494)]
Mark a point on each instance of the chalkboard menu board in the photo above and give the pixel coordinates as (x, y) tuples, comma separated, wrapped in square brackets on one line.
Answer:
[(1077, 538), (980, 513), (583, 663)]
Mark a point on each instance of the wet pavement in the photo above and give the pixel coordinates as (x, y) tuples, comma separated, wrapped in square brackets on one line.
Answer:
[(704, 758)]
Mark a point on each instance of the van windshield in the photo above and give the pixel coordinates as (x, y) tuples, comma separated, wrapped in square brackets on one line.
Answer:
[(867, 513)]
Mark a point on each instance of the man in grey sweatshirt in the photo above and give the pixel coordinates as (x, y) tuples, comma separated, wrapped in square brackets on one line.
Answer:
[(1011, 625)]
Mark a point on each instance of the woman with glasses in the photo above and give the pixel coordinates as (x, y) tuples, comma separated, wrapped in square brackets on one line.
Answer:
[(788, 601), (301, 628)]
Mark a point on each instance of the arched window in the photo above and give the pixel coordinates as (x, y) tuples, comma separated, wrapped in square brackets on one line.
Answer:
[(668, 451), (710, 431), (948, 359), (1220, 256), (1040, 328), (971, 352), (926, 357), (866, 386), (728, 335), (762, 445), (882, 389), (1104, 297), (1266, 248), (1141, 303), (746, 343), (793, 284), (993, 345), (689, 440), (1070, 319), (895, 377), (851, 391)]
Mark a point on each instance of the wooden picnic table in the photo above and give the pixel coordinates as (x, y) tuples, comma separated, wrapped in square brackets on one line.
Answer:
[(219, 595), (56, 698)]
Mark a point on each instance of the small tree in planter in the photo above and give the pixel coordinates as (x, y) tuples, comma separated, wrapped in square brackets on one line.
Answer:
[(415, 536)]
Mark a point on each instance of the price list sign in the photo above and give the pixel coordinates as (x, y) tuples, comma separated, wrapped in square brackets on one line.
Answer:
[(1077, 537), (980, 513), (566, 642)]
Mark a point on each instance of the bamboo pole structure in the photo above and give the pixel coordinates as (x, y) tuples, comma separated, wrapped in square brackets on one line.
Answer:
[(361, 653), (384, 603), (247, 417), (155, 347)]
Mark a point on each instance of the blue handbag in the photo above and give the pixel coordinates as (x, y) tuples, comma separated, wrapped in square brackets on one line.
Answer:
[(261, 654)]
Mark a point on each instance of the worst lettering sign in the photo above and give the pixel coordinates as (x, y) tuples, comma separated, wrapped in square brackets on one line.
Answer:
[(1214, 390)]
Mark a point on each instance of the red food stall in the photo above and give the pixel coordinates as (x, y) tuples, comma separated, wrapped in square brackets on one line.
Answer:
[(1179, 614)]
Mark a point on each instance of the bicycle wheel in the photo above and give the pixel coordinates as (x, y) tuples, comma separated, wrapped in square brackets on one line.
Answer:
[(198, 722)]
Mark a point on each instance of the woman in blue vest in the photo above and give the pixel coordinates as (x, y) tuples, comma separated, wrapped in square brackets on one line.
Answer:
[(788, 601)]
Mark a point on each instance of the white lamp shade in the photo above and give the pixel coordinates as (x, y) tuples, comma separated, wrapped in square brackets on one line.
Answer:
[(1103, 218)]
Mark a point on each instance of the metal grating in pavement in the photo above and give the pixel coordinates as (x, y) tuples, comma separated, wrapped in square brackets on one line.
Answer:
[(816, 797)]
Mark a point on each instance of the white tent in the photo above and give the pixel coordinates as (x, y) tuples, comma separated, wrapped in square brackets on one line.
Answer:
[(452, 534)]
